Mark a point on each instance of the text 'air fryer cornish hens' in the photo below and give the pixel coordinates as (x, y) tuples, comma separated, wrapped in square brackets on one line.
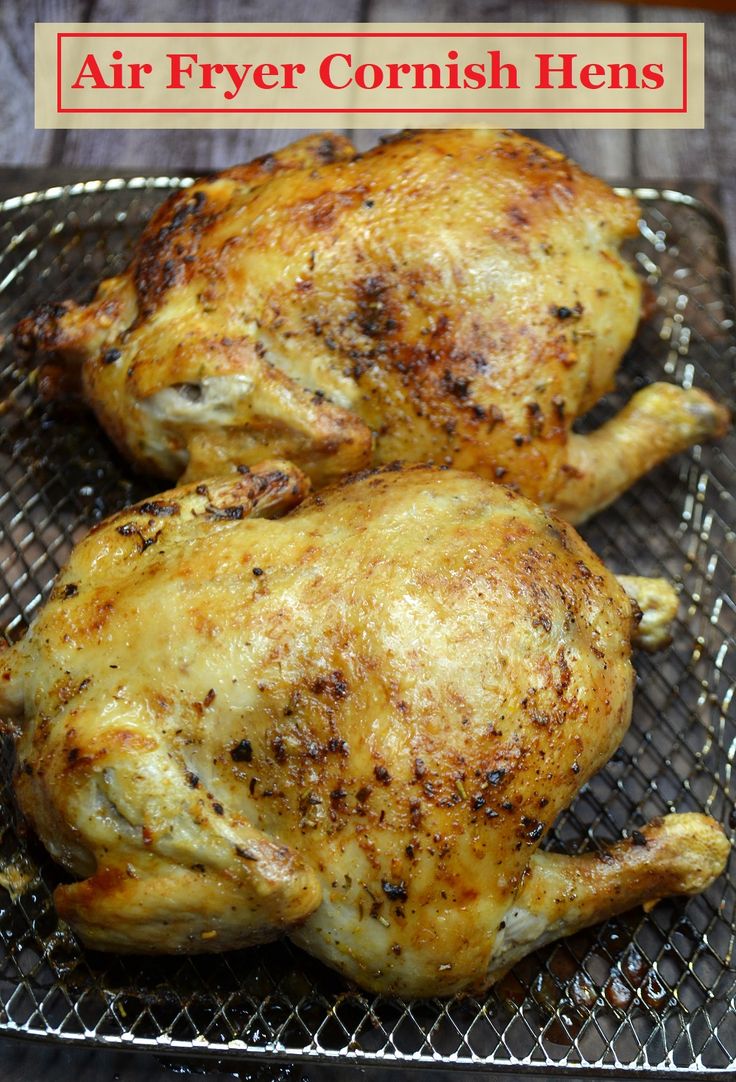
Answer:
[(352, 725), (449, 296)]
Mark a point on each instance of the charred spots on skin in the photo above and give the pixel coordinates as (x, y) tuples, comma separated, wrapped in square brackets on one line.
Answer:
[(191, 206), (535, 418), (637, 838), (565, 674), (327, 150), (130, 529), (457, 386), (309, 803), (170, 245), (531, 829), (111, 356), (374, 312), (63, 593), (315, 750), (334, 685), (564, 312), (337, 746), (157, 508), (396, 892), (265, 482), (278, 747), (242, 752), (382, 774), (233, 514), (43, 329)]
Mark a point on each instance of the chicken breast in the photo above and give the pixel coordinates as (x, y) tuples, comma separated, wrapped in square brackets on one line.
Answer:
[(352, 725), (456, 297)]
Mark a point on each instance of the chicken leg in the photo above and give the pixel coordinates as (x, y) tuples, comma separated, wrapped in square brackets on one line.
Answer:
[(679, 854), (658, 422)]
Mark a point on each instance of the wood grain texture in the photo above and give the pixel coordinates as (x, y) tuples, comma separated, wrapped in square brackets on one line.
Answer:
[(708, 154), (19, 140), (711, 152), (608, 153), (206, 148)]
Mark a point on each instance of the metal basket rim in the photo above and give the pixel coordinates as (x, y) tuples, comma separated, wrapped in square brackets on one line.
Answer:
[(239, 1050)]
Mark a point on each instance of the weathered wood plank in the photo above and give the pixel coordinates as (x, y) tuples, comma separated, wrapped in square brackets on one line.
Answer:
[(19, 140), (210, 147), (689, 154), (608, 153), (711, 152)]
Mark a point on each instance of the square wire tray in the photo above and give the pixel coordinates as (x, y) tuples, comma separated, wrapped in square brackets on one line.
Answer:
[(645, 993)]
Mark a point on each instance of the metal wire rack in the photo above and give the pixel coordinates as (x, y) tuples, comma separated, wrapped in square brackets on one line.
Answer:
[(653, 992)]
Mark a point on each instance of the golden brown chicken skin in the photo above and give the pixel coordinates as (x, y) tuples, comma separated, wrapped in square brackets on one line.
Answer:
[(352, 725), (449, 296)]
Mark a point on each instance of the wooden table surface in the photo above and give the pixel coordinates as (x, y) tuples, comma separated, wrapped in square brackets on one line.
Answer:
[(687, 155), (709, 154)]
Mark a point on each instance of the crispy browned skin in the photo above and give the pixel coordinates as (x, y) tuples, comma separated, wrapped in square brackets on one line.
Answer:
[(353, 725), (449, 296)]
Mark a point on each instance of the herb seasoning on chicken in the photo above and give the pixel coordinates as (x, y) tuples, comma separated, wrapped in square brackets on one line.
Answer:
[(362, 748), (449, 296)]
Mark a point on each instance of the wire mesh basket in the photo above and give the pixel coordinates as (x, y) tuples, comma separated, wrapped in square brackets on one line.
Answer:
[(642, 993)]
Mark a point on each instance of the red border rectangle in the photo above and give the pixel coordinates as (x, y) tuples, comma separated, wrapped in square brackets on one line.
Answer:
[(371, 34)]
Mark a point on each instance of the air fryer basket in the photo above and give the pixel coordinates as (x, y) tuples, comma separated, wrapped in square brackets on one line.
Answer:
[(646, 992)]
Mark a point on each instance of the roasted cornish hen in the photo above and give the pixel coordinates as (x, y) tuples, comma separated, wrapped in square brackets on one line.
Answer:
[(353, 726), (449, 296)]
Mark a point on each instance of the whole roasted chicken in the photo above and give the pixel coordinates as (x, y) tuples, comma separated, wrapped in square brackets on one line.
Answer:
[(449, 296), (352, 725)]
